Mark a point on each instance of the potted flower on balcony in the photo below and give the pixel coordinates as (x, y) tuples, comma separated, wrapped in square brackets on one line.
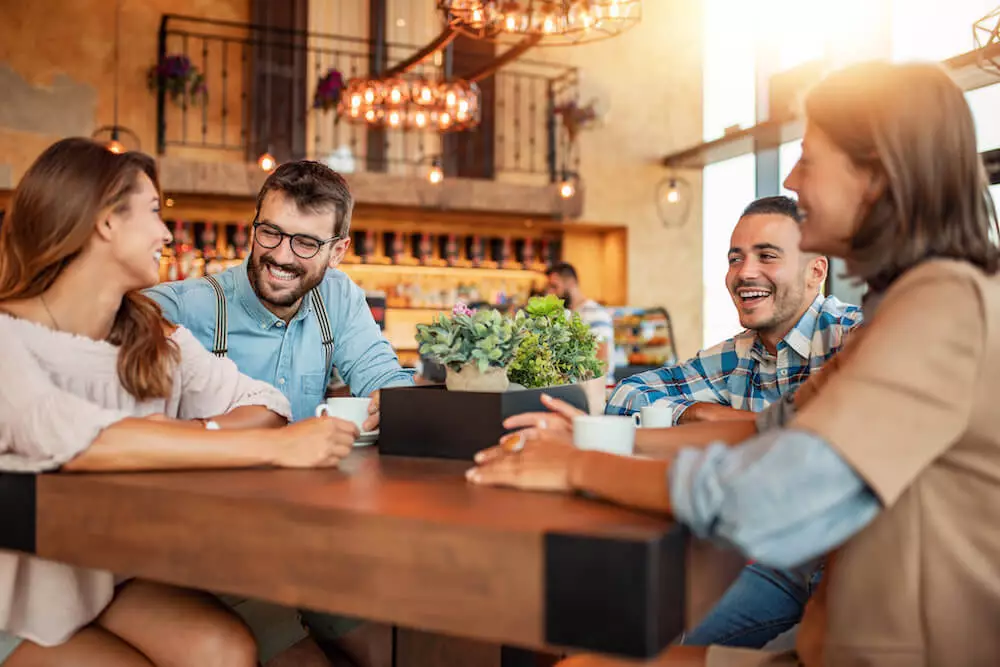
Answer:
[(179, 77), (475, 347), (328, 90)]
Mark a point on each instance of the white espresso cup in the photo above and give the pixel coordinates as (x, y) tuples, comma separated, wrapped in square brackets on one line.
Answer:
[(654, 416), (605, 433), (347, 408)]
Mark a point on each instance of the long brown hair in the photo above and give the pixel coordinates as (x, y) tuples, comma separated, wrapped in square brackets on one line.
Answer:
[(52, 215), (910, 122)]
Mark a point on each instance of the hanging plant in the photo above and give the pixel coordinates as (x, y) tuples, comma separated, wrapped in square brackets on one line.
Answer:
[(328, 90), (575, 117), (179, 78)]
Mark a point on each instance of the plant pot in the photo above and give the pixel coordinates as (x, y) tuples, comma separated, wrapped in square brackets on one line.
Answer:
[(470, 378)]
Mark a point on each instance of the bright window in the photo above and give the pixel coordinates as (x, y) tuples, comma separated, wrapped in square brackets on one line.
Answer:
[(788, 155), (729, 67), (935, 29), (985, 105), (728, 188)]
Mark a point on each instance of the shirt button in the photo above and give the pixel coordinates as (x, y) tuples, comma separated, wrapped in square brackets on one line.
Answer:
[(279, 324), (281, 380), (263, 326), (783, 372)]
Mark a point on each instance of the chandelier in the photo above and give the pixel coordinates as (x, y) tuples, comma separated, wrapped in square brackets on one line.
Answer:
[(556, 21), (411, 103), (986, 32)]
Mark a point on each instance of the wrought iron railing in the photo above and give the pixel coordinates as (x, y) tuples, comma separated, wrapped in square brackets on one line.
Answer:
[(260, 82)]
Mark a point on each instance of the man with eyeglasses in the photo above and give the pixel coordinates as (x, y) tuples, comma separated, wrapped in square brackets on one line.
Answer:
[(287, 316)]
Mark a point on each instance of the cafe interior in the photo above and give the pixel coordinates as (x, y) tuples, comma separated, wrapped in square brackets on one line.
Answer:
[(484, 142)]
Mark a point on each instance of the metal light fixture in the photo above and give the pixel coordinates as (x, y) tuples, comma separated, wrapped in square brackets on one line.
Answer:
[(567, 187), (986, 33), (557, 22), (436, 174), (116, 138), (267, 162), (411, 104), (673, 201)]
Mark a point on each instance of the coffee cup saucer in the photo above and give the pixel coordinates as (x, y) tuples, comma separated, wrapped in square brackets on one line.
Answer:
[(367, 438)]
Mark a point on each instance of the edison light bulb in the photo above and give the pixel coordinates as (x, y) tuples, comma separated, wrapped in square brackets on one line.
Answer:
[(673, 196), (435, 175), (115, 147), (566, 189), (266, 162)]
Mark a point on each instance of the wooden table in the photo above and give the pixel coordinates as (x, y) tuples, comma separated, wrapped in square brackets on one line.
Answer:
[(401, 541)]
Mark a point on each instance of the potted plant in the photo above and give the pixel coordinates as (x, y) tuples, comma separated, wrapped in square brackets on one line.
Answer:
[(328, 90), (475, 347), (556, 346), (179, 78)]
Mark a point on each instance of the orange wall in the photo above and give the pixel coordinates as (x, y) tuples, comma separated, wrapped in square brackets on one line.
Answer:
[(57, 69)]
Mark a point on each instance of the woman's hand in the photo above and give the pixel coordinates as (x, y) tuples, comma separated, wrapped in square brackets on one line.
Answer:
[(542, 463), (555, 424), (317, 442)]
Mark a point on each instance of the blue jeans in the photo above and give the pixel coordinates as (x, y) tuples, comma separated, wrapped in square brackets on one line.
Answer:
[(760, 605)]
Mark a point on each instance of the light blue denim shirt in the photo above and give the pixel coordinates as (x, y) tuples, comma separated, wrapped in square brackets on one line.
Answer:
[(289, 357)]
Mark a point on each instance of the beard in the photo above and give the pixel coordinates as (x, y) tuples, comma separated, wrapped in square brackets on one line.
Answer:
[(774, 311), (283, 294)]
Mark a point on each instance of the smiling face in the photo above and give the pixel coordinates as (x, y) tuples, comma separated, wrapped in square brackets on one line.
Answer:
[(279, 277), (136, 236), (834, 194), (771, 281)]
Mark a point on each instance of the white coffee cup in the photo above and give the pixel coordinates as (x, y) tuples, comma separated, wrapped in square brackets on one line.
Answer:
[(347, 408), (654, 416), (605, 433)]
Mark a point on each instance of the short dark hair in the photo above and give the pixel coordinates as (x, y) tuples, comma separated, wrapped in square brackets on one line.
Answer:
[(778, 205), (315, 188), (563, 270)]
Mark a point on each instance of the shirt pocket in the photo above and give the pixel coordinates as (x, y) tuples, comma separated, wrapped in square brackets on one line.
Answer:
[(314, 386)]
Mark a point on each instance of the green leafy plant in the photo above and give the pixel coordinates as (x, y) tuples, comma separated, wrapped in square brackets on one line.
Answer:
[(556, 348), (486, 338)]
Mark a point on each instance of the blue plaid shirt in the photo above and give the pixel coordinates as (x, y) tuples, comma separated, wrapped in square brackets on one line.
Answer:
[(739, 372)]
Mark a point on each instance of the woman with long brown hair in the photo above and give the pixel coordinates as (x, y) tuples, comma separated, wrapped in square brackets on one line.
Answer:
[(890, 464), (93, 379)]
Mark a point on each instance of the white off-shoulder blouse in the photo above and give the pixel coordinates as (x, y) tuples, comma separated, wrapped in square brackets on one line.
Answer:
[(58, 391)]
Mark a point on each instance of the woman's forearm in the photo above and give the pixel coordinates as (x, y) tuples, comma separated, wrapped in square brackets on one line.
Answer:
[(637, 483), (146, 444), (666, 442), (250, 416)]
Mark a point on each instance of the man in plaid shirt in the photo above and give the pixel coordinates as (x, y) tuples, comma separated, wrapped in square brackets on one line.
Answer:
[(791, 328), (791, 331)]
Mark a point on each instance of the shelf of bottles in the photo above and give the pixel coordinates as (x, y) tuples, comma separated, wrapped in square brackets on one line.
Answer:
[(418, 274)]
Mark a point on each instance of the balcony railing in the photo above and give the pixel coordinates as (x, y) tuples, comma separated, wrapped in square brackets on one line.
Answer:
[(260, 83)]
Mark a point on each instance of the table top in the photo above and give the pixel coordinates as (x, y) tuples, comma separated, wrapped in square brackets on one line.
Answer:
[(398, 540)]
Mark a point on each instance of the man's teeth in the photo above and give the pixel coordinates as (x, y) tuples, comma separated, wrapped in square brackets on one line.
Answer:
[(157, 255), (754, 294), (280, 274)]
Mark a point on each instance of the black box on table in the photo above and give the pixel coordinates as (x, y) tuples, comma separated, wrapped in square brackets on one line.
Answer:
[(431, 421)]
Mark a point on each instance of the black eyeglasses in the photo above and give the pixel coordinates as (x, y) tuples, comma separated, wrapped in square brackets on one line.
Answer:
[(303, 245)]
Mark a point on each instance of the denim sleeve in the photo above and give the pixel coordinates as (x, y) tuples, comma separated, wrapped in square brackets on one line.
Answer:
[(172, 306), (777, 414), (362, 355), (781, 498)]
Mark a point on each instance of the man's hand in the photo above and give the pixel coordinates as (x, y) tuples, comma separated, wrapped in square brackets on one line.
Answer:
[(374, 411)]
